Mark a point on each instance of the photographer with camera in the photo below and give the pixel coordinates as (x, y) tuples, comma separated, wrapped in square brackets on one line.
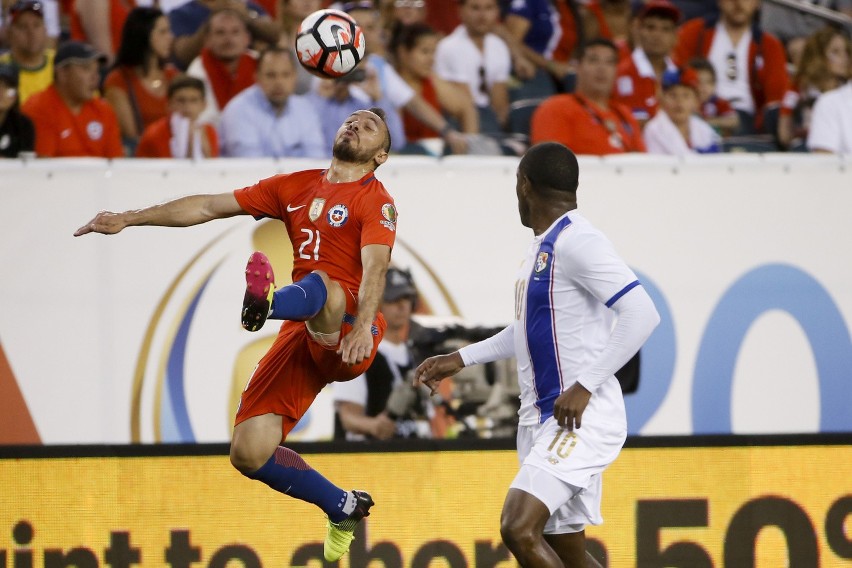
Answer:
[(381, 404)]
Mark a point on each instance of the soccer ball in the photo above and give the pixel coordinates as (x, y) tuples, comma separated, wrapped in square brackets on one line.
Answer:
[(329, 43)]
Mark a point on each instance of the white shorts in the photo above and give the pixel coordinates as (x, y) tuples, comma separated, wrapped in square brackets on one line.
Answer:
[(562, 469)]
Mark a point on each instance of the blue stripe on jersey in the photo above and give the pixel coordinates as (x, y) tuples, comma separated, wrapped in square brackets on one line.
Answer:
[(621, 292), (541, 326)]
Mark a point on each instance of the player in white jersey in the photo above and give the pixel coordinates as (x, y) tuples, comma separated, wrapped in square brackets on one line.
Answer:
[(580, 315)]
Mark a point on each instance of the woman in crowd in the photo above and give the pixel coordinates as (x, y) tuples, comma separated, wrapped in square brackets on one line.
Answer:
[(413, 48), (137, 86), (824, 65)]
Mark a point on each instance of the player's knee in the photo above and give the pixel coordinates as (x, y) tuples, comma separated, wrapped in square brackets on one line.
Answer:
[(517, 535), (247, 459)]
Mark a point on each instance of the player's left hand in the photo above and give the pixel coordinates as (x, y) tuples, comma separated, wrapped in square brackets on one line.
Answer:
[(570, 405), (356, 345)]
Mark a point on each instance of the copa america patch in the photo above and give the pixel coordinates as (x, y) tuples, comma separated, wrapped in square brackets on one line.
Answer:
[(541, 262), (338, 215), (389, 214), (95, 130)]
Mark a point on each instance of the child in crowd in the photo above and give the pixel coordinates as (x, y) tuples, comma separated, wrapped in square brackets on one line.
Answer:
[(180, 135), (716, 111), (676, 129)]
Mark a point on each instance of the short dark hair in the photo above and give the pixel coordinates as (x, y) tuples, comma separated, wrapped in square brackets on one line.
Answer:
[(186, 82), (596, 42), (407, 36), (383, 115), (276, 50), (701, 64), (551, 166)]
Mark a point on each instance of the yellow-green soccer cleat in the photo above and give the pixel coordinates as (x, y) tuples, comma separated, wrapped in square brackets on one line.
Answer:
[(339, 536), (260, 286)]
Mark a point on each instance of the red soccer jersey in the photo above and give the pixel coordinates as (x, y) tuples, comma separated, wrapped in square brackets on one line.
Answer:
[(328, 223)]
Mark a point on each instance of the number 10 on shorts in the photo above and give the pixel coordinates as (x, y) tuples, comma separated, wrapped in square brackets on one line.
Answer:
[(564, 442)]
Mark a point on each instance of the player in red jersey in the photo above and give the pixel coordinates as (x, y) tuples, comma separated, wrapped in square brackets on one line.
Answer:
[(341, 223)]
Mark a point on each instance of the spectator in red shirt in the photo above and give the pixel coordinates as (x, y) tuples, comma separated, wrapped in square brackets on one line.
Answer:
[(137, 86), (180, 135), (225, 65), (751, 65), (640, 76), (69, 119), (715, 110), (587, 121)]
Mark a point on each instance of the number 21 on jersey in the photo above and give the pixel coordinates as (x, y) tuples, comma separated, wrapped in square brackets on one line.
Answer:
[(312, 236)]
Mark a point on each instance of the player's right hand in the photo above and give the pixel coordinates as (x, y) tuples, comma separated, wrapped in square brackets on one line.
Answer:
[(435, 369), (105, 222)]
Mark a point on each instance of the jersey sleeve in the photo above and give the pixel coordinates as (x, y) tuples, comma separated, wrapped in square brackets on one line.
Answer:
[(590, 261), (378, 217), (263, 199)]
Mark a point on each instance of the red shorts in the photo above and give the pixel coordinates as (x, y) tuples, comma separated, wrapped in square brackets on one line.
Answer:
[(296, 368)]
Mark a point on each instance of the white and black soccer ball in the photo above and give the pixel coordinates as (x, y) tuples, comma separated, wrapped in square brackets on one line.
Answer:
[(329, 43)]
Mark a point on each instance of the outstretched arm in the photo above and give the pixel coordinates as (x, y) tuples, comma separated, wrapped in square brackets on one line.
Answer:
[(435, 369), (182, 212), (358, 344)]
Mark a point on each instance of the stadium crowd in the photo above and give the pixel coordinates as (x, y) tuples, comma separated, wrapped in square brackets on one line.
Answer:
[(208, 78)]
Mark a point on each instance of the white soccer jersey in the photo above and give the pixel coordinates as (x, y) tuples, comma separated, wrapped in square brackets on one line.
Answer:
[(563, 330), (566, 285)]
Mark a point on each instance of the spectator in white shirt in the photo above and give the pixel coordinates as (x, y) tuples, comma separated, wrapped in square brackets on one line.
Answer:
[(396, 94), (473, 56), (831, 122)]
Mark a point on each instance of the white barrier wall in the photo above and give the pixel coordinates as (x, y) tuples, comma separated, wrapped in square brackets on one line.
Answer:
[(136, 337)]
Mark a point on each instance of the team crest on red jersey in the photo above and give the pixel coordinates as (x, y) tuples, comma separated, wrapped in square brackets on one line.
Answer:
[(541, 262), (316, 208), (338, 215)]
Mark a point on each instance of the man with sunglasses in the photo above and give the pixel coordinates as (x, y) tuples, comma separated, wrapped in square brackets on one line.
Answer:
[(750, 64)]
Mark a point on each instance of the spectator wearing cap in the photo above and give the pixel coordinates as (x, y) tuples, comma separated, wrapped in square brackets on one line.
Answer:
[(268, 120), (189, 23), (751, 65), (16, 130), (676, 129), (587, 121), (28, 48), (474, 58), (396, 94), (381, 404), (180, 134), (639, 80), (226, 65), (69, 119), (397, 13), (137, 85), (49, 9)]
